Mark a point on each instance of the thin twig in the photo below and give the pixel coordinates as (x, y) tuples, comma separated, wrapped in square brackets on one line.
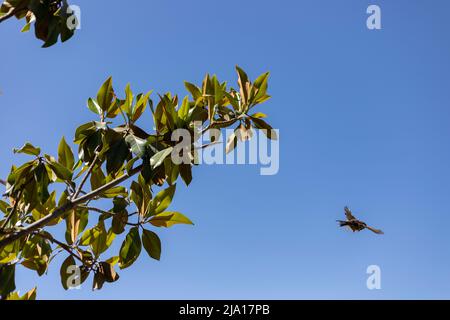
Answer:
[(59, 243), (108, 212), (91, 167), (3, 182), (95, 209)]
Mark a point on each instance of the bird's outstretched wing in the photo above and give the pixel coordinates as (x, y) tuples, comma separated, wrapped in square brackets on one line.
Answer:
[(349, 214), (377, 231)]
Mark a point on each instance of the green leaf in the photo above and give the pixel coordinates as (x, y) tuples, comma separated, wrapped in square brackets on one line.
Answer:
[(140, 106), (26, 27), (193, 90), (116, 156), (231, 143), (38, 264), (137, 145), (105, 95), (97, 178), (94, 106), (99, 280), (162, 200), (90, 235), (131, 248), (168, 219), (64, 272), (119, 222), (7, 279), (183, 112), (9, 253), (65, 154), (242, 81), (98, 239), (265, 127), (30, 295), (151, 243), (61, 171), (28, 148), (157, 159), (4, 207), (107, 269), (186, 173), (115, 192), (259, 115)]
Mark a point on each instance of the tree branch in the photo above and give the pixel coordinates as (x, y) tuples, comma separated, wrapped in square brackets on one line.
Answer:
[(3, 182), (71, 204)]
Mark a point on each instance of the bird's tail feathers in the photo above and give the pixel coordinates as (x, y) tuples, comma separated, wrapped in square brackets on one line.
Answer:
[(377, 231), (342, 223)]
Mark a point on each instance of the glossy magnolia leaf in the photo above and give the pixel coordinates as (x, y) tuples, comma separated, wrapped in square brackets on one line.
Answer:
[(259, 115), (243, 84), (94, 106), (193, 90), (244, 133), (67, 271), (38, 264), (113, 260), (97, 178), (61, 171), (186, 173), (9, 253), (105, 95), (76, 222), (129, 97), (265, 127), (183, 112), (97, 238), (131, 248), (30, 295), (118, 191), (65, 155), (151, 243), (119, 222), (7, 279), (137, 196), (159, 157), (109, 274), (137, 145), (90, 235), (162, 200), (4, 207), (140, 106), (28, 148), (116, 156), (168, 219), (99, 280), (232, 143)]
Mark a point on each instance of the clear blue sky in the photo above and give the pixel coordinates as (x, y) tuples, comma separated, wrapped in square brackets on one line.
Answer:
[(364, 120)]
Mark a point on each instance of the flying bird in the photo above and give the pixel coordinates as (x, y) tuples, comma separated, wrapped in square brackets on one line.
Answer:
[(355, 224)]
